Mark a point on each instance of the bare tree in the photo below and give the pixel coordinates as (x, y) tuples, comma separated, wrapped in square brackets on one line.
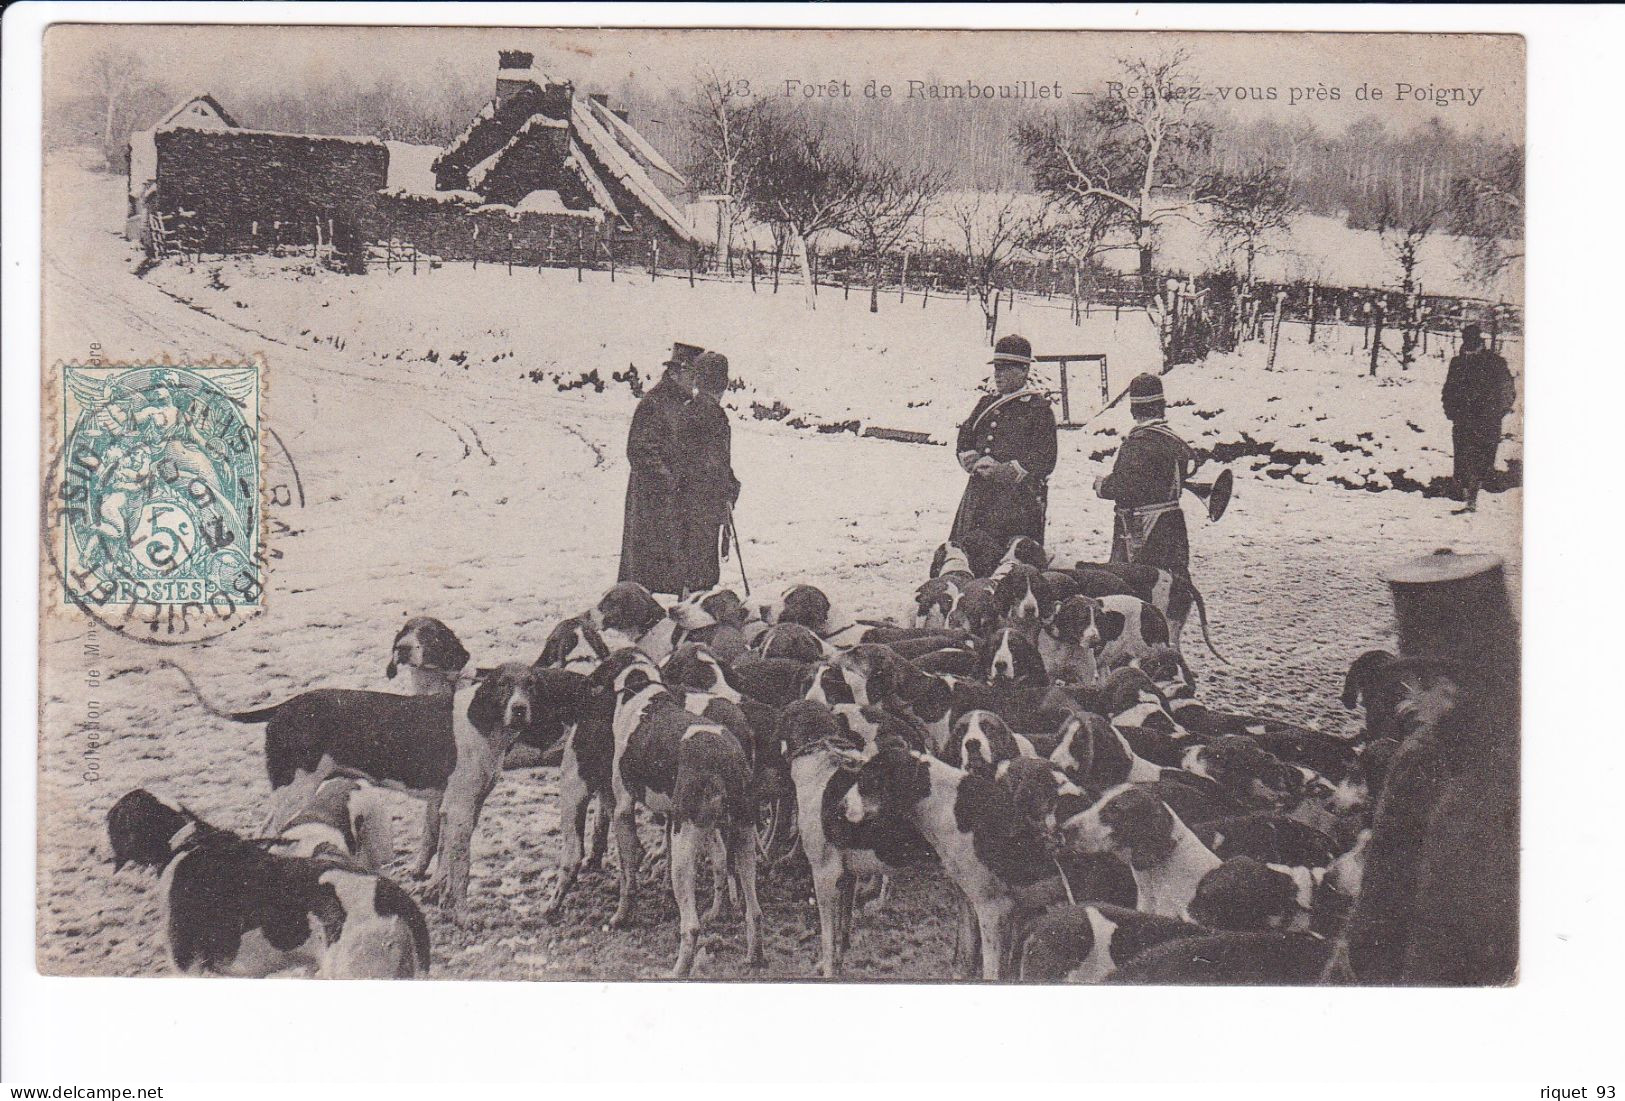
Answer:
[(1404, 238), (993, 228), (115, 86), (722, 126), (1487, 210), (1247, 210), (800, 183), (886, 211), (1134, 154)]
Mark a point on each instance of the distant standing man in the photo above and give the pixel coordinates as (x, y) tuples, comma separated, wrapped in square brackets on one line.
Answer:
[(655, 548), (1152, 467), (1007, 446), (713, 489), (1478, 393)]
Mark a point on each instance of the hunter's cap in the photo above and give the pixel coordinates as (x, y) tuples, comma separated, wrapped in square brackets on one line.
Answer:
[(683, 355), (1144, 391), (1013, 350)]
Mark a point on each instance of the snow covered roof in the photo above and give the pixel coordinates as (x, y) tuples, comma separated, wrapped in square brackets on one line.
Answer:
[(627, 134), (201, 110), (350, 139), (477, 174), (578, 163), (625, 168)]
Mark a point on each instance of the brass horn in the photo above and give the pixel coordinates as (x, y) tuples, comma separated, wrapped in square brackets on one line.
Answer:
[(1216, 493)]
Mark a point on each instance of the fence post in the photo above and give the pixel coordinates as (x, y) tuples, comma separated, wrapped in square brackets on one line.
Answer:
[(1275, 329), (993, 322), (609, 246), (510, 254), (753, 271), (1376, 335), (580, 244), (654, 257), (1311, 313), (902, 279), (925, 292), (690, 251)]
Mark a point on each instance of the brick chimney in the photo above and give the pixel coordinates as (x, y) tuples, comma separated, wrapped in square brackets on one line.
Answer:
[(514, 72)]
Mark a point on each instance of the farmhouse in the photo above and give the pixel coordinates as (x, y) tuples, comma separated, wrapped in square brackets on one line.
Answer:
[(201, 112), (540, 173)]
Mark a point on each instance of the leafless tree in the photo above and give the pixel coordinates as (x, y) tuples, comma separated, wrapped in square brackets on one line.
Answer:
[(1404, 237), (887, 209), (722, 126), (1247, 210), (1133, 154), (993, 228), (1486, 209), (801, 183), (114, 84)]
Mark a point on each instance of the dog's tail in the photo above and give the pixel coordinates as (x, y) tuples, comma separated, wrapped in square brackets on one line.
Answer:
[(1201, 615), (259, 715)]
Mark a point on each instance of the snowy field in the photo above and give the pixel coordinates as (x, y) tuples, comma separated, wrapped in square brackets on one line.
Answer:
[(440, 479)]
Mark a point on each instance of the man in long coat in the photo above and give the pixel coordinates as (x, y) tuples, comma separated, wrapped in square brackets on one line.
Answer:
[(1152, 466), (662, 493), (712, 488), (1007, 446), (1478, 392)]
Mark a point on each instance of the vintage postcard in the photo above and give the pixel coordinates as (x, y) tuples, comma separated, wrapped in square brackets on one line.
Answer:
[(904, 506)]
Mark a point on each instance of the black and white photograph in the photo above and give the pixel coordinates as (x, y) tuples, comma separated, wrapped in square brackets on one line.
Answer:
[(908, 507)]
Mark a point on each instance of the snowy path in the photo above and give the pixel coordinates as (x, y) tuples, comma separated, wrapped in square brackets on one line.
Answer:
[(495, 505)]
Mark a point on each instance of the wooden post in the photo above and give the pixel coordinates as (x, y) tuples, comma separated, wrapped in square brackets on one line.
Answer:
[(778, 258), (1077, 306), (609, 246), (549, 258), (752, 271), (1275, 329), (1495, 327), (690, 251), (654, 257), (902, 279), (846, 284), (1311, 313), (1066, 396), (510, 254), (1376, 335), (1365, 335), (580, 244), (993, 322), (925, 293)]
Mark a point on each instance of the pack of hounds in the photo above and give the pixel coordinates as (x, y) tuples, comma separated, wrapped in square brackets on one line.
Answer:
[(1033, 736)]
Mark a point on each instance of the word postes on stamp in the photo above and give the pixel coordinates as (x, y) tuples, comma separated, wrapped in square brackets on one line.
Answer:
[(159, 492)]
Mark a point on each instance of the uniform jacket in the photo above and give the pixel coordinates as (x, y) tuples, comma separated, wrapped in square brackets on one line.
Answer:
[(710, 489), (1478, 387), (1018, 428), (1151, 468)]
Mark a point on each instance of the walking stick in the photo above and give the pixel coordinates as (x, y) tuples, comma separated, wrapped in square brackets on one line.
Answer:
[(739, 550)]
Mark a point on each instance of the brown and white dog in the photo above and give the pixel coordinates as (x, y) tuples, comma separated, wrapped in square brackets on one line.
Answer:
[(716, 618), (1085, 943), (230, 907), (629, 615), (972, 824), (695, 770), (573, 644), (444, 749), (1167, 859), (345, 818), (825, 751)]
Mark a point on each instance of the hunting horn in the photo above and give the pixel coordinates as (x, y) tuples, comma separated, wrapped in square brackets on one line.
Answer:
[(1216, 493)]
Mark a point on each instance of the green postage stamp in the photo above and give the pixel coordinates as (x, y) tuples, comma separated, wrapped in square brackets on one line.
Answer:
[(160, 487)]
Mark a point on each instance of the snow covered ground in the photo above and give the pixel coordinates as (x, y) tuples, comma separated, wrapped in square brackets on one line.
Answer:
[(452, 484)]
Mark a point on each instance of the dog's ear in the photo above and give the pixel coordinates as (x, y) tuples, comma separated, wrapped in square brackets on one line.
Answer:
[(441, 648), (1362, 676), (939, 559), (1144, 825)]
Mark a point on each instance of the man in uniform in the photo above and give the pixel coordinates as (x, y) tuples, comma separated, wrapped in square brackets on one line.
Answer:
[(660, 492), (1007, 446), (1478, 392), (1152, 466)]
